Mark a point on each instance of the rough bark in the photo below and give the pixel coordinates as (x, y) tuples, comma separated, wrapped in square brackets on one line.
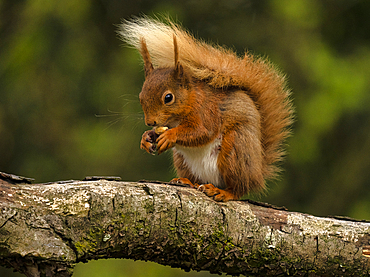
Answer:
[(45, 229)]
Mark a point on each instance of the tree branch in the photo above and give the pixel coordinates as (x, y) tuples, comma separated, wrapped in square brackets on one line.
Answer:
[(45, 229)]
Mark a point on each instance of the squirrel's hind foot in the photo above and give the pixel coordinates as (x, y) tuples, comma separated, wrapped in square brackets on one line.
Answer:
[(210, 190), (217, 194), (184, 181)]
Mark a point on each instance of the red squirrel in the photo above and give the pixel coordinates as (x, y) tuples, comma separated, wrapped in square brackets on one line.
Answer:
[(225, 117)]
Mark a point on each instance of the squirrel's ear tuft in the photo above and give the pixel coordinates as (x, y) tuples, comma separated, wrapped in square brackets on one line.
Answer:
[(176, 50), (148, 66), (179, 69)]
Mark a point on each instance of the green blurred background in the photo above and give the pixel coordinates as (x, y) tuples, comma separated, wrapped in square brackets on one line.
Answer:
[(69, 96)]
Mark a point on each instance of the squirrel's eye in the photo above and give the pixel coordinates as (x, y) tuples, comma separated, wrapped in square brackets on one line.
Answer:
[(168, 98)]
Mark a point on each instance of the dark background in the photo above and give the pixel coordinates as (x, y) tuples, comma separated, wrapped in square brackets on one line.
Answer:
[(69, 96)]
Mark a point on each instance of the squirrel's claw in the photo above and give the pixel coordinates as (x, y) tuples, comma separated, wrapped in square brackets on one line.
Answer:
[(148, 141)]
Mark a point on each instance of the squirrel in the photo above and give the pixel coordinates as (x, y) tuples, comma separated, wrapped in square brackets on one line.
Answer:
[(225, 117)]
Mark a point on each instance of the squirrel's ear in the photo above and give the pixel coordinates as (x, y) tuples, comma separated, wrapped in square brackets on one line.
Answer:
[(179, 72), (148, 66)]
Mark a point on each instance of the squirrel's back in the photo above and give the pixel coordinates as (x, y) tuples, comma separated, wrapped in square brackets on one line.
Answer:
[(222, 68)]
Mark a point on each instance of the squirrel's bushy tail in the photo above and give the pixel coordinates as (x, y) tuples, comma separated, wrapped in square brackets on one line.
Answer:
[(222, 68)]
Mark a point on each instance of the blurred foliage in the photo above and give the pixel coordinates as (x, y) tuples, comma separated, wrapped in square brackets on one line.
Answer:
[(69, 93)]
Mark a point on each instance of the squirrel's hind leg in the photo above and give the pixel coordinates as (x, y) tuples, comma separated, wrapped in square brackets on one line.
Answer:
[(240, 162)]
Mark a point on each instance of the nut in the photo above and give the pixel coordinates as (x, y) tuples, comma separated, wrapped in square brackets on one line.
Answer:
[(160, 130)]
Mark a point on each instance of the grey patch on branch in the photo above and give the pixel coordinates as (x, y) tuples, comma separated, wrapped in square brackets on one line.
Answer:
[(96, 178), (15, 179)]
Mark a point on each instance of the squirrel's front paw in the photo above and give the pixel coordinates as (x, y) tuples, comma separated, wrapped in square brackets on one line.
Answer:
[(166, 140), (148, 141)]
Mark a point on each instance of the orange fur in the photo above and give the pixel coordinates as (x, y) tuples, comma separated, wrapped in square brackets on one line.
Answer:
[(241, 102)]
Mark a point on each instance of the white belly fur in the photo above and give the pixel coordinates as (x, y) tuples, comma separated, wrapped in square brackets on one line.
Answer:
[(202, 162)]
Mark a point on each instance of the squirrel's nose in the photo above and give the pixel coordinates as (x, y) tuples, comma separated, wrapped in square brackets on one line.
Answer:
[(151, 123)]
